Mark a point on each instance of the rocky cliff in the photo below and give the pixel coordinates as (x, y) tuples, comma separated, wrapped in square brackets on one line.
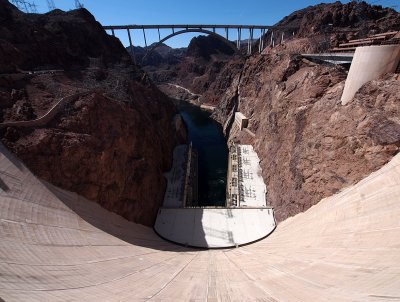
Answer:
[(160, 56), (326, 25), (355, 17), (310, 145), (111, 145), (194, 67)]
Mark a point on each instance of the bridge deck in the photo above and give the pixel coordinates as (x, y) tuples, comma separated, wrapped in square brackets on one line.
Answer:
[(176, 26)]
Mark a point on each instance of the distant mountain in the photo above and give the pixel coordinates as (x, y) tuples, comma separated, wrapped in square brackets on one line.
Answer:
[(163, 54), (206, 46), (194, 67)]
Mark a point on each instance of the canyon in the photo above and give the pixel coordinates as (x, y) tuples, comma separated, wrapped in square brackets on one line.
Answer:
[(111, 145), (305, 137), (88, 137)]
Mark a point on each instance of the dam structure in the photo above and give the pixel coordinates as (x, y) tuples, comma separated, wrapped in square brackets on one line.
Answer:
[(245, 218), (57, 246)]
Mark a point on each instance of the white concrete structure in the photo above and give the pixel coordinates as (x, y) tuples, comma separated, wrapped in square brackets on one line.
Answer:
[(174, 195), (214, 227), (246, 187), (56, 246), (241, 121), (369, 63), (252, 188)]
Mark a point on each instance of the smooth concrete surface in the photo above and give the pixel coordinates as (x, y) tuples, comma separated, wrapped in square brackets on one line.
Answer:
[(180, 221), (56, 246), (369, 63), (214, 227), (182, 178), (241, 120), (174, 195)]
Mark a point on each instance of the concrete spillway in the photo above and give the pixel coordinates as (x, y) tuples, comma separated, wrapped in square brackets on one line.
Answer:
[(57, 246)]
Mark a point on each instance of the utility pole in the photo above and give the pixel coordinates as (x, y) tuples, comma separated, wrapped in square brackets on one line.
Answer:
[(51, 5), (78, 4)]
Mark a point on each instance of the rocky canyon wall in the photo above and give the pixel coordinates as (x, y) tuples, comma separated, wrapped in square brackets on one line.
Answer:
[(111, 145), (310, 145)]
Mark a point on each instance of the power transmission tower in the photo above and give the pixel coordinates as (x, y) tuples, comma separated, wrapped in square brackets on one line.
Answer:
[(51, 5), (32, 7), (25, 6), (78, 4)]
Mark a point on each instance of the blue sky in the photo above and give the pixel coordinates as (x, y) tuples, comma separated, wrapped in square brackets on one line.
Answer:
[(121, 12)]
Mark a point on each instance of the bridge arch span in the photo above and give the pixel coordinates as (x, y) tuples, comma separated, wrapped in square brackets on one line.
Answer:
[(192, 30)]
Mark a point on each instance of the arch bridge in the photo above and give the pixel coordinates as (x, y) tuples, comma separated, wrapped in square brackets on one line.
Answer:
[(255, 33)]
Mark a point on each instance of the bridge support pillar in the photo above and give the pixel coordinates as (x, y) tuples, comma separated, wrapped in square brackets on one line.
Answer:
[(263, 39), (227, 33), (113, 33), (131, 46), (159, 36), (272, 39), (250, 41), (144, 36), (239, 34)]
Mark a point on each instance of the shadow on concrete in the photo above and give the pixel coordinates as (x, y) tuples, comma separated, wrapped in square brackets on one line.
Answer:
[(114, 224), (12, 158), (182, 226), (89, 211), (4, 187)]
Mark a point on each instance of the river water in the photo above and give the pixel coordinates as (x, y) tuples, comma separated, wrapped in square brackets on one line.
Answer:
[(207, 138)]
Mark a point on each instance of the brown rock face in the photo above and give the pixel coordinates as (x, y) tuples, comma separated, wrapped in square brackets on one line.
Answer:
[(111, 146), (56, 40), (310, 145), (108, 152), (356, 19), (194, 67)]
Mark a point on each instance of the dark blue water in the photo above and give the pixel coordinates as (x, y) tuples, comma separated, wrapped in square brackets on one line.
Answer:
[(207, 138)]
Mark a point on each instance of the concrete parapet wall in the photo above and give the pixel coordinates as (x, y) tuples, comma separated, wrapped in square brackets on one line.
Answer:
[(214, 227), (369, 63)]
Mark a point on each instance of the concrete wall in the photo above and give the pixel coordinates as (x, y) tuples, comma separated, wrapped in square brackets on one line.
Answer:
[(241, 120), (369, 63), (56, 246), (214, 227)]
